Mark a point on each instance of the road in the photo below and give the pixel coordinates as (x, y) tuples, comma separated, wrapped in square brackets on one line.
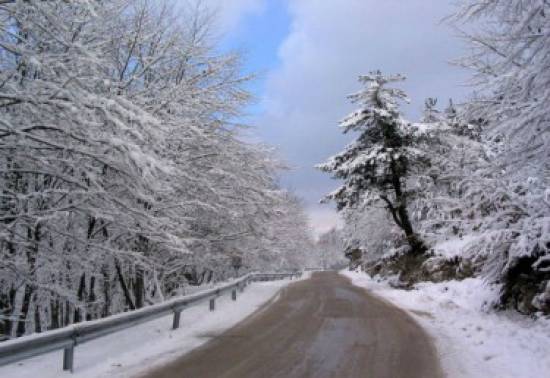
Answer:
[(320, 327)]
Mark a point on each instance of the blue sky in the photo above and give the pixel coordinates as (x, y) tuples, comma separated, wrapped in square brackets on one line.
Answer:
[(308, 54), (258, 35)]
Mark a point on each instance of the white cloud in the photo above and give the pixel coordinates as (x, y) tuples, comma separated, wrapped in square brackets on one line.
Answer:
[(230, 12)]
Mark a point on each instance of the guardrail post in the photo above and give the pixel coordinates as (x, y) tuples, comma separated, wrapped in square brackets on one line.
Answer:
[(176, 320), (234, 294), (212, 304), (241, 286), (68, 358)]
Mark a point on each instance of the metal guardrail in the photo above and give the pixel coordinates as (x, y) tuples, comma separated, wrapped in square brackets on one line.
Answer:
[(69, 337)]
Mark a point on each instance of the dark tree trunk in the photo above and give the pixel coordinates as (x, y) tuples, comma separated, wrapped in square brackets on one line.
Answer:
[(21, 325), (106, 292), (81, 299), (54, 314), (37, 321), (139, 288), (124, 286), (34, 236), (67, 313), (398, 209), (90, 303), (7, 302)]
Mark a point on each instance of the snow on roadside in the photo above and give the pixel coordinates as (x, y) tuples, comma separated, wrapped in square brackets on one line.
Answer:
[(455, 246), (127, 353), (472, 341)]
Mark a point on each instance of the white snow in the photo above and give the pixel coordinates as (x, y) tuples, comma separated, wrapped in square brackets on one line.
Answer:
[(472, 340), (455, 246), (129, 352)]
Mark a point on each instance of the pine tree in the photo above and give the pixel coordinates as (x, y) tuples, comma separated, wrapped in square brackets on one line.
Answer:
[(376, 165), (431, 114)]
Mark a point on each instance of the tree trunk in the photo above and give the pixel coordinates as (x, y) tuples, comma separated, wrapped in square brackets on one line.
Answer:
[(90, 301), (139, 287), (81, 299), (400, 210), (54, 314), (25, 306), (106, 292), (124, 287), (37, 317)]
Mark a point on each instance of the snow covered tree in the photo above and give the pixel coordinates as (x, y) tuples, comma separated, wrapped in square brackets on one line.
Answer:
[(330, 247), (289, 238), (71, 162), (123, 177), (371, 230), (510, 41), (375, 166), (431, 114), (510, 44)]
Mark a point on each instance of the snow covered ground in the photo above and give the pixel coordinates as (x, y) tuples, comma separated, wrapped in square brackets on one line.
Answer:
[(129, 352), (472, 341)]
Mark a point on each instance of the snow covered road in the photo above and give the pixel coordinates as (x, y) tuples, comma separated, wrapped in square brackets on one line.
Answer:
[(321, 327)]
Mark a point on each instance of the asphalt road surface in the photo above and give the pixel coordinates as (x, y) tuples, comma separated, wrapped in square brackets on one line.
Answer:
[(320, 327)]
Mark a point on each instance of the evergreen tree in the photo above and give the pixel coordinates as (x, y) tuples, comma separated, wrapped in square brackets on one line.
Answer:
[(376, 165), (431, 113)]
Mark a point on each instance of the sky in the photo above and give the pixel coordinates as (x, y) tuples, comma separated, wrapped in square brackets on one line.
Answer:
[(308, 55)]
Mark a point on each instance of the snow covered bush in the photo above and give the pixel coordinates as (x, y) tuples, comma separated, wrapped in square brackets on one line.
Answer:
[(475, 219)]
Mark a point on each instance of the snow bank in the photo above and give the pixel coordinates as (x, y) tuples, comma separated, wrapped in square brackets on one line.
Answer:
[(472, 342), (129, 352), (454, 246)]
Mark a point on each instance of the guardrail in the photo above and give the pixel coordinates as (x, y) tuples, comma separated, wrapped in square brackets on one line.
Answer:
[(69, 337)]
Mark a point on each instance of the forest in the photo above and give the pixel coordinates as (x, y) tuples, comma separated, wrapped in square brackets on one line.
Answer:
[(465, 190), (124, 175)]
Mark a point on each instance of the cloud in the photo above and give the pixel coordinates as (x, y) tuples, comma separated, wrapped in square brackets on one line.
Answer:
[(332, 42), (229, 13)]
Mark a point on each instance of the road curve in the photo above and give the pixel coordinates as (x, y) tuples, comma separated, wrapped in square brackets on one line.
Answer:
[(320, 327)]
